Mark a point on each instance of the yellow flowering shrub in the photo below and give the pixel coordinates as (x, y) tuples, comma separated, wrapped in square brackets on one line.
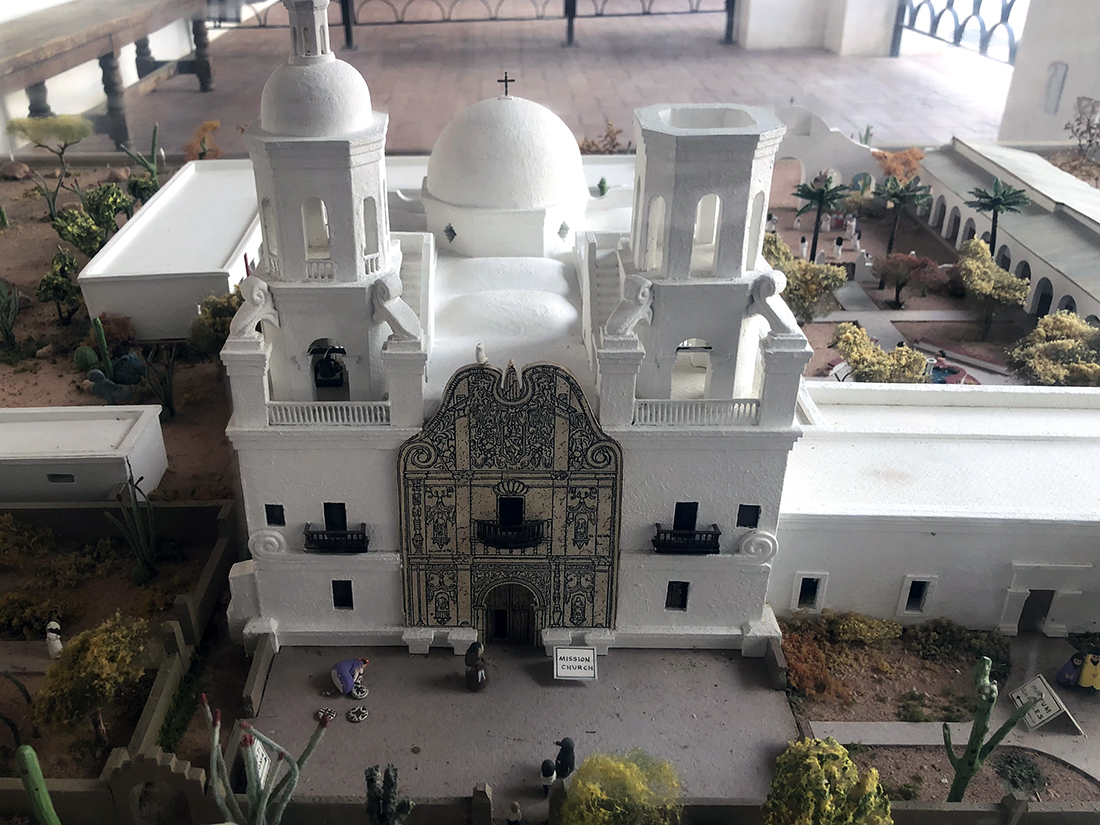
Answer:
[(1062, 350), (623, 789), (871, 364), (817, 783)]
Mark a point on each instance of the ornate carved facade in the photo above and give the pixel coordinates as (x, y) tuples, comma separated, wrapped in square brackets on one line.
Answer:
[(510, 495)]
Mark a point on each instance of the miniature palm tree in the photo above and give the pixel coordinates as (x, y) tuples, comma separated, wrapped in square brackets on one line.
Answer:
[(899, 195), (819, 196), (977, 751), (1000, 198)]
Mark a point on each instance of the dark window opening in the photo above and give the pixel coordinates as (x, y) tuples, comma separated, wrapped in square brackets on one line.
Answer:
[(676, 597), (60, 478), (341, 595), (510, 511), (687, 513), (336, 516), (807, 593), (918, 592), (748, 515), (275, 515)]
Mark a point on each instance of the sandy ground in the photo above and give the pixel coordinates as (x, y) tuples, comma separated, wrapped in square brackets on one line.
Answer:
[(711, 713)]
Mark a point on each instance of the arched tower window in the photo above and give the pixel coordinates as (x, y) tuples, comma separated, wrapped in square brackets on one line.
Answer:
[(330, 378), (704, 246), (315, 226), (756, 238), (267, 216), (370, 227), (655, 234), (307, 41)]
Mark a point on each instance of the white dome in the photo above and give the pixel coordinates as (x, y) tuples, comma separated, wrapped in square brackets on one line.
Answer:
[(506, 153), (315, 98)]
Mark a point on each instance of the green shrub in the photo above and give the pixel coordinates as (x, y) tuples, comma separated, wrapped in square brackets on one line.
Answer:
[(79, 229), (24, 613), (846, 628), (210, 329), (905, 792), (85, 358), (623, 789), (941, 640), (1020, 772), (20, 541), (911, 707)]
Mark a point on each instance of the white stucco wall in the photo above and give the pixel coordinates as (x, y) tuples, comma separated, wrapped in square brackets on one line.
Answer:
[(971, 562), (846, 27), (818, 146), (1057, 31)]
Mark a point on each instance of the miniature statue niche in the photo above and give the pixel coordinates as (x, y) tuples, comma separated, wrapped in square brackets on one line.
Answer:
[(476, 676)]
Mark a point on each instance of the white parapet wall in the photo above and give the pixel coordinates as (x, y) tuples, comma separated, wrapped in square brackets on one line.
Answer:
[(188, 242), (78, 453)]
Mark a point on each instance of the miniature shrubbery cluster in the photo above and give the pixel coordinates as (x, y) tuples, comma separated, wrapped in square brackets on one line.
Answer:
[(632, 788)]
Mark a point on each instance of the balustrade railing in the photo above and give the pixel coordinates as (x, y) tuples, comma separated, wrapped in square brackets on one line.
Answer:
[(524, 534), (705, 412), (328, 413), (695, 542), (320, 270), (372, 263), (336, 541)]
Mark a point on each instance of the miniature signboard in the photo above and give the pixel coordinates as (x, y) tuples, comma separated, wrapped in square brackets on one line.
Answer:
[(263, 761), (575, 663), (1046, 708)]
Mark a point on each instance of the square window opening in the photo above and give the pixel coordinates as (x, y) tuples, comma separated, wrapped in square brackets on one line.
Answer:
[(807, 593), (676, 597), (510, 511), (687, 512), (60, 478), (274, 515), (748, 515), (336, 516), (341, 595), (918, 593)]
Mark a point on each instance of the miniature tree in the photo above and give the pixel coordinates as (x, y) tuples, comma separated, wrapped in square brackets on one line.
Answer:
[(900, 195), (160, 376), (90, 229), (988, 287), (57, 287), (56, 135), (383, 805), (623, 789), (1085, 126), (819, 196), (807, 282), (901, 270), (211, 328), (1000, 198), (138, 525), (95, 667), (967, 765), (601, 187), (30, 772), (817, 783), (9, 311), (871, 364), (4, 222), (902, 165), (143, 188), (202, 146), (267, 800), (1063, 350)]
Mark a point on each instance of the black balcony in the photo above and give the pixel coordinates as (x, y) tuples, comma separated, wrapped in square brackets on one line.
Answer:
[(336, 541), (689, 542), (511, 537)]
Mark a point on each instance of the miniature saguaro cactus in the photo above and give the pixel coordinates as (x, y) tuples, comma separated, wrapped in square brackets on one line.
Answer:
[(383, 806), (35, 786), (976, 752), (267, 800)]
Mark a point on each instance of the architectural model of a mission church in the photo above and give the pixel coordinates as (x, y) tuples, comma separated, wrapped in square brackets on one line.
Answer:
[(518, 425)]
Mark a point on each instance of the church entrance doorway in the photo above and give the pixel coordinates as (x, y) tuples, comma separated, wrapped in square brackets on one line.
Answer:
[(1035, 611), (510, 614)]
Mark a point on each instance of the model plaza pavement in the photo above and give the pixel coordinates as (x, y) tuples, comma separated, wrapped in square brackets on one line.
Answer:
[(711, 713)]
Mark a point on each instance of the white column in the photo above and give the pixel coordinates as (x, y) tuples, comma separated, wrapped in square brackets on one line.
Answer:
[(619, 359), (403, 363), (245, 362), (785, 358)]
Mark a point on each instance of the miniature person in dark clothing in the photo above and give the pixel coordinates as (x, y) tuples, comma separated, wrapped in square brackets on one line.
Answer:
[(565, 762), (549, 774), (476, 677), (348, 673)]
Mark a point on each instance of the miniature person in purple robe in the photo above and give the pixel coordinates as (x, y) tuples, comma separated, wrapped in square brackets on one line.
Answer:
[(348, 673), (1071, 671)]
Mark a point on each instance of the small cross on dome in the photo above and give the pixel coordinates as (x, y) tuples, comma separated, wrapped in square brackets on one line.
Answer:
[(506, 80)]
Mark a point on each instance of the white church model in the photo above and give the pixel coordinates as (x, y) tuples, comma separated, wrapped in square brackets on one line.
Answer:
[(509, 428)]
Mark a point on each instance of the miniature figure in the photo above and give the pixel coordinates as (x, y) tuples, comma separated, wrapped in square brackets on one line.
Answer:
[(838, 247), (566, 760), (348, 675), (857, 239), (476, 677), (53, 640), (1070, 673), (803, 248), (1090, 671), (548, 775), (797, 221), (515, 815)]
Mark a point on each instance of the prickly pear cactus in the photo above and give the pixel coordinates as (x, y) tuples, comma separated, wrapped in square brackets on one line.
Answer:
[(383, 806)]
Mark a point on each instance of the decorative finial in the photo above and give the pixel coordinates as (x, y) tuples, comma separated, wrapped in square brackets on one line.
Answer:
[(506, 80)]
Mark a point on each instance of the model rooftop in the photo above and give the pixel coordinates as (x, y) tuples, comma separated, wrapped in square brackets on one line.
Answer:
[(52, 432)]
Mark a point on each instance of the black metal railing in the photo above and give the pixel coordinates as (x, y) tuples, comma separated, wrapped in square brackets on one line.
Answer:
[(686, 541), (524, 534), (336, 541)]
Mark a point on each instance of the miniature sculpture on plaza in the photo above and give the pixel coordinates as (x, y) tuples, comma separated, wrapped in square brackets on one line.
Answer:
[(446, 500)]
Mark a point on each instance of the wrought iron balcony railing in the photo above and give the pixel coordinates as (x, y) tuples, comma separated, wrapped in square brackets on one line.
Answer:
[(336, 541), (692, 542), (524, 534)]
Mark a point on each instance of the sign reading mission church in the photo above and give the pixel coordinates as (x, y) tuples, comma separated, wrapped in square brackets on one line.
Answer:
[(575, 663)]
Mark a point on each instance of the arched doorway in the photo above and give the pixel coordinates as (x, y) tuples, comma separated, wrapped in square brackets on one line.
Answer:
[(1004, 258), (953, 226), (969, 230), (1067, 304), (1023, 271), (939, 212), (1044, 296), (510, 614)]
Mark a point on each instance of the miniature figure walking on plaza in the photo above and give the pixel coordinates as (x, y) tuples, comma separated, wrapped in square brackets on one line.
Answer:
[(566, 760), (476, 677), (53, 640), (515, 815), (547, 775)]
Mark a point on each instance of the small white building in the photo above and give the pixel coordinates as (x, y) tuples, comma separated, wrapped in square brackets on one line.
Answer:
[(78, 453), (1054, 243), (188, 242)]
